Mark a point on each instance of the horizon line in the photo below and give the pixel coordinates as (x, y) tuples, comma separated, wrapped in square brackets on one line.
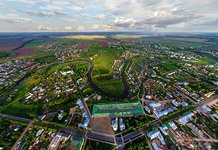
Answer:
[(109, 32)]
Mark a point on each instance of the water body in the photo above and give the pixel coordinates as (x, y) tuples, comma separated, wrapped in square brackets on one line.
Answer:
[(2, 99), (18, 84), (125, 92)]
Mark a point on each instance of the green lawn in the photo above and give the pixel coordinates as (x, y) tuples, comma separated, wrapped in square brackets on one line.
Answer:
[(16, 107), (34, 43), (44, 57), (170, 64), (120, 36), (114, 87), (204, 61), (19, 109), (102, 68), (105, 56)]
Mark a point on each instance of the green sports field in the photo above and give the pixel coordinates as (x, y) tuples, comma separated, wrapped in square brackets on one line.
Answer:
[(118, 109)]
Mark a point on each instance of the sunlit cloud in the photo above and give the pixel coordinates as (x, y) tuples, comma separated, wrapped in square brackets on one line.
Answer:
[(109, 15)]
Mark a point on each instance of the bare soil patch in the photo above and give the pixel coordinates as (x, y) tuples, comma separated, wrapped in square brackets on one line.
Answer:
[(27, 51), (102, 124)]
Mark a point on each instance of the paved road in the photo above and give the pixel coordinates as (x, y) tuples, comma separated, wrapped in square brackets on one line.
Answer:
[(206, 140), (22, 135), (121, 141), (210, 101), (188, 96), (50, 125), (15, 118), (86, 109), (132, 136), (203, 140), (128, 138), (100, 137)]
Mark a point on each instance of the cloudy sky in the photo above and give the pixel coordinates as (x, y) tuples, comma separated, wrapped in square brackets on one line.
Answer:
[(109, 15)]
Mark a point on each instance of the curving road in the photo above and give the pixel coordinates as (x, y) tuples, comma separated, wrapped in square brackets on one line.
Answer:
[(125, 92)]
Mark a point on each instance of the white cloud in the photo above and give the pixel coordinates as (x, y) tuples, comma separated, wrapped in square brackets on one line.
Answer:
[(61, 5), (29, 1), (96, 27), (2, 5), (125, 22), (114, 14), (71, 20), (112, 28), (14, 18), (68, 28), (160, 14), (177, 26), (45, 13), (100, 17), (46, 28), (80, 28)]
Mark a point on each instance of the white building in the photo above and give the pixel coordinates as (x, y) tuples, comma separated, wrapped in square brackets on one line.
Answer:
[(206, 108), (186, 118), (156, 134), (86, 121), (114, 124), (147, 109), (155, 147), (175, 103), (154, 105), (55, 142), (172, 125), (164, 130), (79, 102), (184, 104), (122, 125)]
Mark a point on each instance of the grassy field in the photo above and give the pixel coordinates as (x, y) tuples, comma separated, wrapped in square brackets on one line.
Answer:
[(105, 56), (102, 68), (34, 43), (120, 36), (16, 107), (204, 61), (170, 64), (111, 86)]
